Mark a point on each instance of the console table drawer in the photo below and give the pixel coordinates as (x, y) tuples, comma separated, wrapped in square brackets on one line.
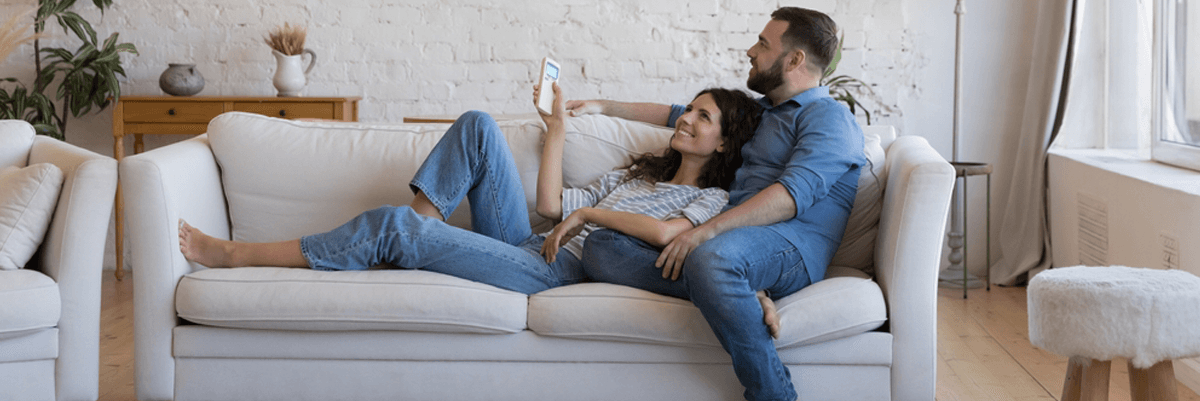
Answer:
[(287, 110), (171, 112)]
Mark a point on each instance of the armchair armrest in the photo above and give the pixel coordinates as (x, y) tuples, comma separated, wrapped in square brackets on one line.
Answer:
[(73, 255), (907, 257), (161, 186)]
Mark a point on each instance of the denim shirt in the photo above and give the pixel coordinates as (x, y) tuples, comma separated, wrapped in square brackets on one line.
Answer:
[(813, 146)]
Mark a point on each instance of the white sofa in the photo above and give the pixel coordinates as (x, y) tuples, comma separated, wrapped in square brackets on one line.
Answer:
[(388, 334), (50, 308)]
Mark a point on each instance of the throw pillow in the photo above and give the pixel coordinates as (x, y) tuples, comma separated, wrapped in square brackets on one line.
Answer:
[(597, 144), (858, 242), (26, 205)]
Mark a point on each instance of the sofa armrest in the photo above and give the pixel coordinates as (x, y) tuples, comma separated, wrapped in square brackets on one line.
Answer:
[(72, 254), (161, 186), (907, 257)]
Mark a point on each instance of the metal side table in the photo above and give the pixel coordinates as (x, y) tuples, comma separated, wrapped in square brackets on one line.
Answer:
[(965, 170)]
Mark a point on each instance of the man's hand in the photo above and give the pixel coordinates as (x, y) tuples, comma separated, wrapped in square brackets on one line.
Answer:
[(672, 257), (563, 232), (582, 107)]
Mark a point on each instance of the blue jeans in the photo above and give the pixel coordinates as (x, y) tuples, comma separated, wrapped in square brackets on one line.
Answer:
[(472, 160), (720, 277)]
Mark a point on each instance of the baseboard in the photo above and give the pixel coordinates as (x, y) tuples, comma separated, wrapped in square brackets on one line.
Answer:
[(1187, 371)]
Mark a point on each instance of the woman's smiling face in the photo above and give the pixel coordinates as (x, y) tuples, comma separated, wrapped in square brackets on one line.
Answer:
[(698, 130)]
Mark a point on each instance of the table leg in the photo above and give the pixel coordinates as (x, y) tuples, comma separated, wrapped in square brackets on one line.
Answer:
[(138, 145), (988, 257), (1087, 379), (119, 153), (1154, 383), (966, 221)]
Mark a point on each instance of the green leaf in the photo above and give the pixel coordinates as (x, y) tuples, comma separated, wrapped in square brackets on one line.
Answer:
[(102, 4), (127, 47), (837, 58), (48, 130), (75, 23)]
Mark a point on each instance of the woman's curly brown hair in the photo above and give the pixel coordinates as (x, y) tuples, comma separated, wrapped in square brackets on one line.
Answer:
[(739, 119)]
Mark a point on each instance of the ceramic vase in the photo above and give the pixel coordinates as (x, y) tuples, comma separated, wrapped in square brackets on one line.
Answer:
[(181, 80), (290, 74)]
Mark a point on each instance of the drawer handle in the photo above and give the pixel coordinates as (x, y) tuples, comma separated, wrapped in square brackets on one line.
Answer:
[(283, 113), (171, 112)]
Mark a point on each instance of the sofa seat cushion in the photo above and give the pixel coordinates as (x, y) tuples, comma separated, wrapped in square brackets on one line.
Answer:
[(29, 301), (847, 302), (303, 299)]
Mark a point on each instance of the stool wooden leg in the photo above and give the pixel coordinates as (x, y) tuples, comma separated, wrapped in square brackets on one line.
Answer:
[(1156, 383), (1087, 380)]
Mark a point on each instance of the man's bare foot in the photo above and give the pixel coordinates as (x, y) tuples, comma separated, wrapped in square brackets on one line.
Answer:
[(770, 315), (203, 249)]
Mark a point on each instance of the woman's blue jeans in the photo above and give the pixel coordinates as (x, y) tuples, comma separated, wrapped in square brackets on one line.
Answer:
[(720, 277), (472, 160)]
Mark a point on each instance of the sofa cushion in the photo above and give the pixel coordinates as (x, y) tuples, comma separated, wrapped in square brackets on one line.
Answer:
[(597, 144), (16, 138), (846, 303), (29, 300), (284, 179), (857, 249), (303, 299), (26, 205)]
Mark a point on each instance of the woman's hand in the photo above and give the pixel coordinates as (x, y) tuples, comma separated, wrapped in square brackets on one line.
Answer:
[(554, 120), (581, 107), (563, 232)]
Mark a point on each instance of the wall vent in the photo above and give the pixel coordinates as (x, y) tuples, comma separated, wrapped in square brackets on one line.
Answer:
[(1093, 231)]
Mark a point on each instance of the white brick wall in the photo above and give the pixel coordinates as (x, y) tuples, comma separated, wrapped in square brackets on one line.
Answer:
[(417, 57), (444, 57)]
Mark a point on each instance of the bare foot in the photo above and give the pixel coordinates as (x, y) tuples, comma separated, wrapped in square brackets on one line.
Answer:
[(770, 316), (203, 249)]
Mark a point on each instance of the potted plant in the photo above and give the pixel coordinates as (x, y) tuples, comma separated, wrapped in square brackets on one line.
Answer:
[(843, 87), (85, 77)]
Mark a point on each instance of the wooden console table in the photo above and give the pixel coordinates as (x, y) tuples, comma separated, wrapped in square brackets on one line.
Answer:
[(169, 115)]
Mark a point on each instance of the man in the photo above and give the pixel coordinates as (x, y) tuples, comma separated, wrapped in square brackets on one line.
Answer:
[(788, 204)]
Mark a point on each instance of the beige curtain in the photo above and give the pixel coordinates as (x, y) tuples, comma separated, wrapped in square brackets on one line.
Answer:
[(1024, 235)]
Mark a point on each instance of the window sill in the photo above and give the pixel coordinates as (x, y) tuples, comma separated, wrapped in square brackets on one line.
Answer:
[(1127, 163)]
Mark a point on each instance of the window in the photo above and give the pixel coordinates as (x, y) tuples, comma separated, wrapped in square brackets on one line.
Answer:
[(1176, 84)]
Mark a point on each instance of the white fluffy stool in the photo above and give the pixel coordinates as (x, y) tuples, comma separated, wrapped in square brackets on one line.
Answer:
[(1095, 314)]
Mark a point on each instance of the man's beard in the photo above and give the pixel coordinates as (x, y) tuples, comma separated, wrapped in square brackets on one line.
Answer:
[(766, 81)]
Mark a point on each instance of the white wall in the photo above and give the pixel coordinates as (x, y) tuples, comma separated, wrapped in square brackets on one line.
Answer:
[(444, 57)]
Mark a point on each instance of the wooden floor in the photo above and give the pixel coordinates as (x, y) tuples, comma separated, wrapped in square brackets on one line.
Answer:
[(983, 349)]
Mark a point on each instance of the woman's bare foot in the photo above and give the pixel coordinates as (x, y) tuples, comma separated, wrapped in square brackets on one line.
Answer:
[(203, 249), (770, 315)]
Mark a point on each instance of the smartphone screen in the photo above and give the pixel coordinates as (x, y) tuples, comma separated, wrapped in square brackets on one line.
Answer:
[(552, 71)]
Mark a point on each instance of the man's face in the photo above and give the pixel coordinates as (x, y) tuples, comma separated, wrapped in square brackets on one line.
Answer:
[(767, 57)]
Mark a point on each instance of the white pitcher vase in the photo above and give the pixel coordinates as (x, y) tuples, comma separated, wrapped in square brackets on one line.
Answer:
[(290, 77)]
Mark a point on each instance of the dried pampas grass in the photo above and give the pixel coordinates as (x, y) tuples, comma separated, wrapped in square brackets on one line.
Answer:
[(287, 39), (12, 33)]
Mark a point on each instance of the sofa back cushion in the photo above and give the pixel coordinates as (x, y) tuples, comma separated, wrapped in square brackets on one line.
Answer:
[(285, 179), (27, 201), (857, 250), (16, 138)]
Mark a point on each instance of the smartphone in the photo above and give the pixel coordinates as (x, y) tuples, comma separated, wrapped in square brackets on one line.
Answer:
[(545, 101)]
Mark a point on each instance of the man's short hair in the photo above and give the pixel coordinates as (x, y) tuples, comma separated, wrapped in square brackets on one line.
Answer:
[(811, 31)]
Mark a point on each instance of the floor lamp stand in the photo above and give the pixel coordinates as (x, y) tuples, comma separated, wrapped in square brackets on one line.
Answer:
[(954, 276)]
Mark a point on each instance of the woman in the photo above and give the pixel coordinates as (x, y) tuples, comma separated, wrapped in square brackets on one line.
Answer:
[(654, 199)]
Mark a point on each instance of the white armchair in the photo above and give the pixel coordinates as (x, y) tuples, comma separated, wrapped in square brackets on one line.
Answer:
[(50, 310)]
